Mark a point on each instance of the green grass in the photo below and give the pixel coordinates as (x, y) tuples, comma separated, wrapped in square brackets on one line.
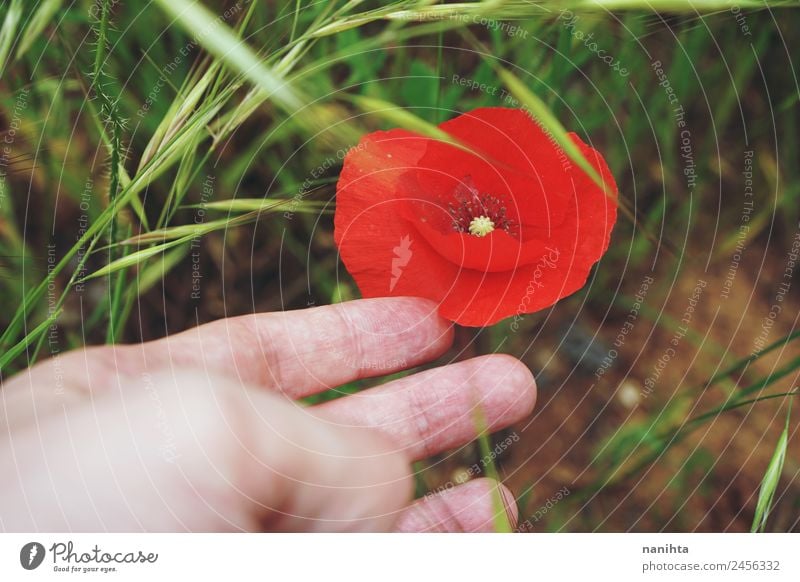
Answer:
[(262, 97)]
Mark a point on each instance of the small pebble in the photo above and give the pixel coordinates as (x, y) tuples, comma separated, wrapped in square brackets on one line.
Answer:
[(629, 394)]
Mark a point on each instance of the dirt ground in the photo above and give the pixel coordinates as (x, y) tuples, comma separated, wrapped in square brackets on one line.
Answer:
[(721, 463)]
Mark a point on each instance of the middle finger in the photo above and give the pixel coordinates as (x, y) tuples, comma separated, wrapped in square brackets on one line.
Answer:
[(439, 409)]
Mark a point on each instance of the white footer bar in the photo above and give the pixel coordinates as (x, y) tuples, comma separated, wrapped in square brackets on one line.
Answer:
[(379, 557)]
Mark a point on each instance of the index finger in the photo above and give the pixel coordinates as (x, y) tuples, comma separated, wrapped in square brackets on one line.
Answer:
[(297, 353), (307, 351)]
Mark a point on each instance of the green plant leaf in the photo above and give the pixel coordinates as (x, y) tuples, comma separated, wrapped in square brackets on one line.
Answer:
[(771, 477)]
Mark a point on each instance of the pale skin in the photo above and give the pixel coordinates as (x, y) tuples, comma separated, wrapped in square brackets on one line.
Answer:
[(200, 431)]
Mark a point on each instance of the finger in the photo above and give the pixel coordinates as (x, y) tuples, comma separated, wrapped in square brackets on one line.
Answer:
[(476, 506), (307, 351), (439, 409), (198, 453), (297, 352)]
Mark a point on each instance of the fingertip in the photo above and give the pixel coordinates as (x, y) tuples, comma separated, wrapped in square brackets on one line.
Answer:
[(471, 507), (513, 385), (415, 322), (490, 491), (522, 378), (445, 334)]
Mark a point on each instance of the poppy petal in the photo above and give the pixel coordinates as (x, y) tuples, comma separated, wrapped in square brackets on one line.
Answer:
[(401, 217)]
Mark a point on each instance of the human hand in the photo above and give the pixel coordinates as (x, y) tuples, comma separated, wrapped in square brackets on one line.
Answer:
[(198, 431)]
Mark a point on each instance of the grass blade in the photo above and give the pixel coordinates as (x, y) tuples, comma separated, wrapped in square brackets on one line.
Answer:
[(770, 481), (266, 205), (500, 516), (133, 259), (37, 24), (9, 31), (220, 41), (402, 118)]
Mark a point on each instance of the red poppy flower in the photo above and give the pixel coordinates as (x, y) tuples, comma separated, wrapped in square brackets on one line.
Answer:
[(504, 226)]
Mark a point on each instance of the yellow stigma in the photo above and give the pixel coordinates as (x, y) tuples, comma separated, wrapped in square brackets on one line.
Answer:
[(481, 226)]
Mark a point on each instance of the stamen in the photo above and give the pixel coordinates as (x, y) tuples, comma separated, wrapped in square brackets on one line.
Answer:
[(481, 226), (478, 213)]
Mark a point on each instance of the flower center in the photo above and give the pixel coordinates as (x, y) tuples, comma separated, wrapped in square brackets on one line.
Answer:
[(478, 213), (481, 226)]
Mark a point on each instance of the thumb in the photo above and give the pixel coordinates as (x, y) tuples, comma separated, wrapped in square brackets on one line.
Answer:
[(187, 451)]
